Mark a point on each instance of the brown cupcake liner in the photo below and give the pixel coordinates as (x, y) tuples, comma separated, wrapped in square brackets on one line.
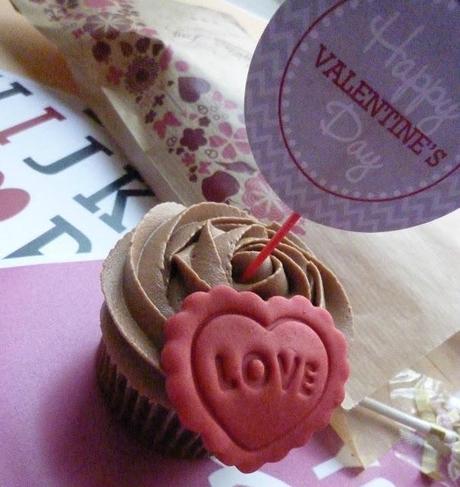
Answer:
[(156, 426)]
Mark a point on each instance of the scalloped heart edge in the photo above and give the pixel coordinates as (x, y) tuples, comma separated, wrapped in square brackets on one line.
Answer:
[(180, 383)]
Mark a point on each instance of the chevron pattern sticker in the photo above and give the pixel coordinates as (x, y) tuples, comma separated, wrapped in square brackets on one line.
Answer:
[(353, 112)]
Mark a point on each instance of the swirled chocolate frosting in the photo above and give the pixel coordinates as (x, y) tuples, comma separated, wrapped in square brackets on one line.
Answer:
[(176, 251)]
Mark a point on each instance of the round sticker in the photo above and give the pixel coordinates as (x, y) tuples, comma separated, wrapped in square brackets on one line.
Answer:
[(353, 110)]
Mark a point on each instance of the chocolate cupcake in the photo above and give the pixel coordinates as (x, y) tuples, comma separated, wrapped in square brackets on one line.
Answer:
[(176, 252)]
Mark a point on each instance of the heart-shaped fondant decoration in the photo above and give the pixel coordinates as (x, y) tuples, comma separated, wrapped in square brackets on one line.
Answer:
[(284, 367), (191, 88), (255, 378), (12, 201)]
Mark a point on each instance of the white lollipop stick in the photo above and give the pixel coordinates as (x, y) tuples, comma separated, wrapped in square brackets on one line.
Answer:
[(406, 419)]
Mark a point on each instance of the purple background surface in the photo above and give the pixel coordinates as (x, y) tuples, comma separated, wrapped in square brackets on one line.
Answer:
[(55, 429)]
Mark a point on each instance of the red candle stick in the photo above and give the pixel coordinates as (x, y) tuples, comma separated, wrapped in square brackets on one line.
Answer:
[(270, 246)]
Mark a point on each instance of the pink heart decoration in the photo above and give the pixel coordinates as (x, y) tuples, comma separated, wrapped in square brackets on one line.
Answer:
[(12, 200), (160, 126), (284, 367), (219, 186), (255, 378), (190, 88)]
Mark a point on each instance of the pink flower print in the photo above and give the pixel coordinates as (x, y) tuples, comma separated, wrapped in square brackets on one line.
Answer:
[(77, 33), (232, 142), (147, 32), (203, 168), (168, 120), (150, 116), (126, 48), (158, 100), (218, 97), (142, 44), (261, 200), (98, 3), (141, 74), (101, 51), (204, 121), (114, 75), (67, 4), (106, 24), (181, 66), (188, 159), (61, 9), (230, 104), (193, 139), (157, 47), (165, 58)]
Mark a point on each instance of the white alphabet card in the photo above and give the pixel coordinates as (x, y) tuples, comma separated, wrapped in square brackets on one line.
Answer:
[(66, 191)]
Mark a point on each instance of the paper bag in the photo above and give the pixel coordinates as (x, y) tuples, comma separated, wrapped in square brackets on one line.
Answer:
[(369, 435)]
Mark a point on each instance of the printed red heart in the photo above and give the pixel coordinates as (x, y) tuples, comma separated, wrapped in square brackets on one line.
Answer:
[(219, 186), (12, 201), (190, 88), (255, 378)]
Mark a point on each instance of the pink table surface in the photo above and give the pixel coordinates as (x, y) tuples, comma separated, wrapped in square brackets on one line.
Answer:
[(55, 429)]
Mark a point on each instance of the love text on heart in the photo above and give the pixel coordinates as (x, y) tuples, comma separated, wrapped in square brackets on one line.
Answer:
[(293, 371)]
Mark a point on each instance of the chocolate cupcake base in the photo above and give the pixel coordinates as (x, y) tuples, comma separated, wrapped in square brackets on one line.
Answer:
[(156, 426)]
